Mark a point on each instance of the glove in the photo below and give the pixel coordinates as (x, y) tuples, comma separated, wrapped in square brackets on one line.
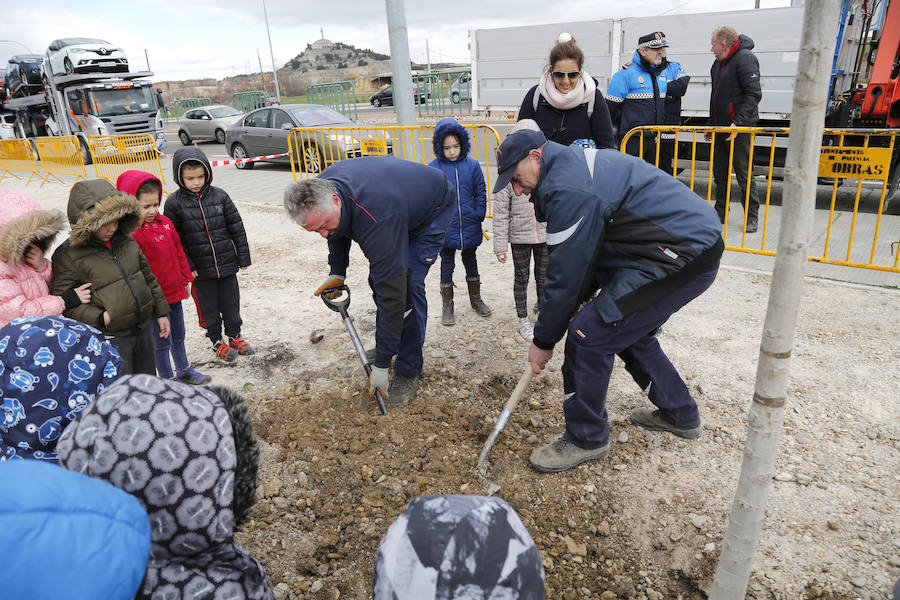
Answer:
[(333, 281), (378, 380)]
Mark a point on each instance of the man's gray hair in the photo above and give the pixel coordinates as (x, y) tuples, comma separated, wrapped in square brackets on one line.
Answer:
[(304, 197)]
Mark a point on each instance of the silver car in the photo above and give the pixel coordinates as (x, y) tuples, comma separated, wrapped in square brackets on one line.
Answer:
[(207, 123), (7, 126), (265, 131), (82, 55)]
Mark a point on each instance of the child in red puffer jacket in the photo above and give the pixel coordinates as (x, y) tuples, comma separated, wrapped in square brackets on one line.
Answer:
[(160, 244)]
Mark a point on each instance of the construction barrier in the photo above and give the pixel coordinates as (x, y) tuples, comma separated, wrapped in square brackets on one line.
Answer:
[(855, 231), (61, 155), (17, 156), (312, 149), (115, 154), (338, 95)]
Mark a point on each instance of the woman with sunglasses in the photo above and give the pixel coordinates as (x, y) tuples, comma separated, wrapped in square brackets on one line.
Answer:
[(567, 103)]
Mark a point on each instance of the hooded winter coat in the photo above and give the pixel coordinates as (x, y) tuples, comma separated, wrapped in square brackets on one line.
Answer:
[(471, 195), (736, 88), (53, 368), (207, 222), (122, 282), (160, 243), (189, 456), (514, 221), (66, 535), (24, 290)]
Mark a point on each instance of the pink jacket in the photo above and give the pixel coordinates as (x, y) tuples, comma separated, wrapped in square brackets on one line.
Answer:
[(23, 290)]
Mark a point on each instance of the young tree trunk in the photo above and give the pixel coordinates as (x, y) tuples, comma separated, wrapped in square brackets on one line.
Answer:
[(767, 409)]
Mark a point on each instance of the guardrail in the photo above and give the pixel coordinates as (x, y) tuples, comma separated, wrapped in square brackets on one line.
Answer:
[(313, 149), (17, 156), (857, 233), (61, 155), (114, 154)]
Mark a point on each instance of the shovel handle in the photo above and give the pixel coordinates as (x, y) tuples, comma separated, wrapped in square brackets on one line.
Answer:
[(520, 389), (341, 303)]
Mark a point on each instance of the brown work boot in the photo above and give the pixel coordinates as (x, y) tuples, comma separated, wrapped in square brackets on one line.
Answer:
[(563, 454), (655, 420)]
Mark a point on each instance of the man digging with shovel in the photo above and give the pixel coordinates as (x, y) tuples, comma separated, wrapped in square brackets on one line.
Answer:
[(398, 212), (634, 245)]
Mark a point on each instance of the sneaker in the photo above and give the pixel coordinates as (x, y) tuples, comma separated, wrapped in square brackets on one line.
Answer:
[(402, 390), (193, 377), (563, 454), (224, 351), (525, 329), (752, 226), (655, 420), (242, 346)]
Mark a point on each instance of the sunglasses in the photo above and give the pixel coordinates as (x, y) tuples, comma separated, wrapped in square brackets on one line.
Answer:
[(570, 74)]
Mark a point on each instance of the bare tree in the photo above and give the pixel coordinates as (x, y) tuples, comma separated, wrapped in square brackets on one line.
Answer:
[(767, 409)]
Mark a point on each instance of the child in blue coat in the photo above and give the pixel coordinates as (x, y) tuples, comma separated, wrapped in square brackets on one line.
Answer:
[(451, 147)]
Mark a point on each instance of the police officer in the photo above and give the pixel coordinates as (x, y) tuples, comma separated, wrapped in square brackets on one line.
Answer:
[(648, 91)]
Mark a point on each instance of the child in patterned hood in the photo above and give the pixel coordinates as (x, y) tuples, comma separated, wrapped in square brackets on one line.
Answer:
[(458, 548), (189, 456), (51, 368)]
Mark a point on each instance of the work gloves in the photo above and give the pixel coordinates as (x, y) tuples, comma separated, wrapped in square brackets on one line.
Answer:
[(333, 281), (378, 380)]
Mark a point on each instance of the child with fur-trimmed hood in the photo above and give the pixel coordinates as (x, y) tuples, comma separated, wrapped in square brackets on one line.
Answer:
[(26, 234), (124, 292), (189, 456)]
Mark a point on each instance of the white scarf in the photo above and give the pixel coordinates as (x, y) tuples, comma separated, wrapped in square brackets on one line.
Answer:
[(580, 94)]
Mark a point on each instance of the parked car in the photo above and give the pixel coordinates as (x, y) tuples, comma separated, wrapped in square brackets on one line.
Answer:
[(265, 131), (206, 123), (84, 55), (461, 89), (385, 96), (7, 125), (23, 75)]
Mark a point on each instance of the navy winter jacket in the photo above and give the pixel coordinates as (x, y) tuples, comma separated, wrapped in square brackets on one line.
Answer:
[(618, 225), (639, 94), (386, 203), (736, 90), (208, 223), (471, 194), (566, 126)]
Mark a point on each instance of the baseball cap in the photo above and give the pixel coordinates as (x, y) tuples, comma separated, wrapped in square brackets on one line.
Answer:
[(514, 148)]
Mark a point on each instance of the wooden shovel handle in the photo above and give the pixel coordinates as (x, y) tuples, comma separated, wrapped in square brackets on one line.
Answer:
[(520, 389)]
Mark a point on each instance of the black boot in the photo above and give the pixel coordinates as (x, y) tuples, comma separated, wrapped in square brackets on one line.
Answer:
[(478, 305), (447, 296)]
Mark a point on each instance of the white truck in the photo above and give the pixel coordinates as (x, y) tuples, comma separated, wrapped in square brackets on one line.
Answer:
[(90, 104), (507, 62)]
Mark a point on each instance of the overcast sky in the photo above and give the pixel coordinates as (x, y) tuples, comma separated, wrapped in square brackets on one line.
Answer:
[(209, 38)]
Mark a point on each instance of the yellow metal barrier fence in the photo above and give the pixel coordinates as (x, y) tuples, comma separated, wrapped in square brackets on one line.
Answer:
[(312, 149), (17, 156), (855, 154), (115, 154), (61, 155)]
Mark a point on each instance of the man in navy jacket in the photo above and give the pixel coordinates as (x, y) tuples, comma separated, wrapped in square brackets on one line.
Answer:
[(398, 212), (634, 245)]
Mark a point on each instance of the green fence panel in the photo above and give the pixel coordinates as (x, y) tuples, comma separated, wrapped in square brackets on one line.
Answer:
[(247, 101), (339, 95)]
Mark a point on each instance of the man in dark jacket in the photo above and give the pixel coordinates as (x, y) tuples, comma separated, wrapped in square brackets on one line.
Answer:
[(648, 91), (124, 292), (733, 102), (634, 245), (213, 237), (400, 227)]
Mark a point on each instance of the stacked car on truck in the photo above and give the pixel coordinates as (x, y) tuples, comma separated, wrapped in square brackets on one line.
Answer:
[(85, 89)]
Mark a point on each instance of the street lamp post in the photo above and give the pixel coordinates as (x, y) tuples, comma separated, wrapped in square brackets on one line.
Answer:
[(271, 52), (19, 43)]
